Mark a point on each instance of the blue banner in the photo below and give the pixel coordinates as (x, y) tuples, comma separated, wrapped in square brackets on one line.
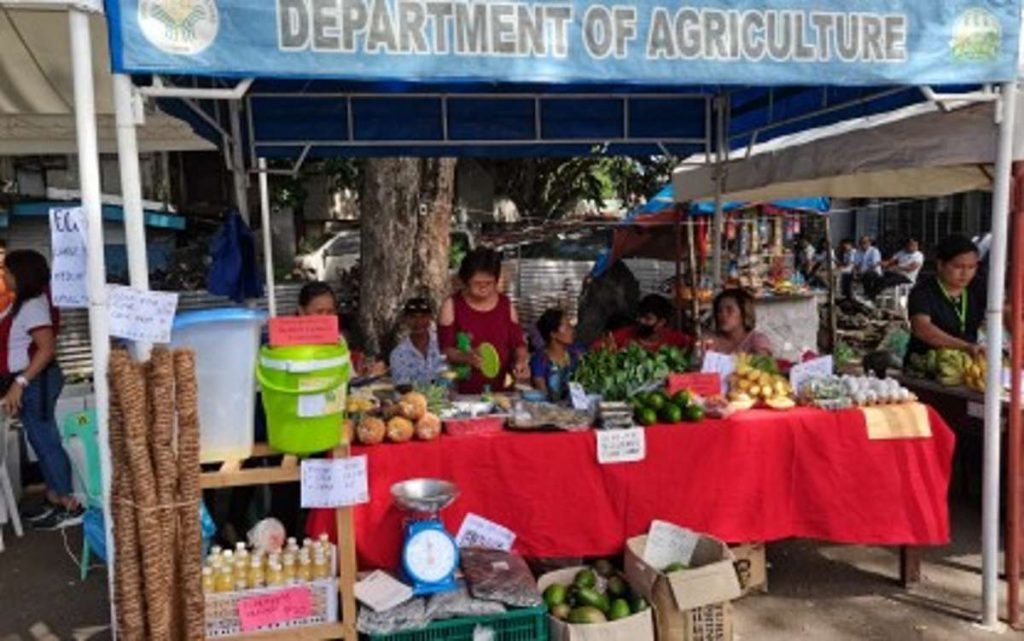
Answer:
[(642, 42)]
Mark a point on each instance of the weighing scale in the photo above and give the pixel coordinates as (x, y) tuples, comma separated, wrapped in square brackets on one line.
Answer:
[(430, 556)]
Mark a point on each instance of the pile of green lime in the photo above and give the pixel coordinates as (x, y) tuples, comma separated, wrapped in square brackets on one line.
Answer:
[(597, 594), (658, 407)]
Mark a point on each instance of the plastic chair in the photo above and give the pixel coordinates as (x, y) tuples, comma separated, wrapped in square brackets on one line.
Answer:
[(8, 505), (82, 425)]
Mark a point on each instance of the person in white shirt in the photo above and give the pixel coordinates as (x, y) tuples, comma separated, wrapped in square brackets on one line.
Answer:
[(901, 269), (867, 267), (417, 360)]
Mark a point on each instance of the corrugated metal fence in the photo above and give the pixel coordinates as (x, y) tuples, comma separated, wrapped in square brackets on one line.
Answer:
[(75, 354)]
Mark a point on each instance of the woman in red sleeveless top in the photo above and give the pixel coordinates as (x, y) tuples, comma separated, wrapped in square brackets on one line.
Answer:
[(485, 315)]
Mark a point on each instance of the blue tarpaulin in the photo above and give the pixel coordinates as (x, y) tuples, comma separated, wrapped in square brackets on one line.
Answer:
[(664, 199)]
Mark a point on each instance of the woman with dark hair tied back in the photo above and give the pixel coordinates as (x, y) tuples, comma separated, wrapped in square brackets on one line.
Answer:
[(33, 381), (946, 310), (553, 366), (477, 315), (735, 325)]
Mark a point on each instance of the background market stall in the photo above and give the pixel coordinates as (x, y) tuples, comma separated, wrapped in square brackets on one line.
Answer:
[(538, 107)]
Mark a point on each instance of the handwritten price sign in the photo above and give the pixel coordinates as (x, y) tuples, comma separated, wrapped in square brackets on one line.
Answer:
[(478, 532), (292, 604), (330, 483), (141, 316), (67, 240), (621, 446)]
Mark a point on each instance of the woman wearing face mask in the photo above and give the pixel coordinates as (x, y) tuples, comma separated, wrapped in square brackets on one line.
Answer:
[(946, 310), (735, 321), (482, 314)]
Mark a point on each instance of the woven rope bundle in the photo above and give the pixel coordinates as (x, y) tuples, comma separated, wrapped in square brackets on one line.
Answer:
[(190, 542), (131, 611)]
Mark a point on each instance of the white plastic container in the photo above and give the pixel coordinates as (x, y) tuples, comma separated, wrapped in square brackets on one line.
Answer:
[(226, 343)]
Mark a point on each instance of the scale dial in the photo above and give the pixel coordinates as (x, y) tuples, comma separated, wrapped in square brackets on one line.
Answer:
[(430, 555)]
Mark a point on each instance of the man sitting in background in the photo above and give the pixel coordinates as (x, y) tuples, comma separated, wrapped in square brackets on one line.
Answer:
[(901, 269)]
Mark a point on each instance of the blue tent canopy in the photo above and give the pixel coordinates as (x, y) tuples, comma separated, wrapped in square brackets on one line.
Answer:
[(554, 77), (665, 199)]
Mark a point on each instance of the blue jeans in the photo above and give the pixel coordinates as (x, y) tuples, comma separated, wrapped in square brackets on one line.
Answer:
[(37, 417)]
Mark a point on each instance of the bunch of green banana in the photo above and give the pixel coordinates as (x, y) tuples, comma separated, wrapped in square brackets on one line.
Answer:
[(952, 365)]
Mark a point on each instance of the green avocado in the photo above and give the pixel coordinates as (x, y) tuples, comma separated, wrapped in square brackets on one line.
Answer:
[(554, 595), (683, 398), (647, 417), (639, 604), (604, 567), (618, 610), (657, 400), (673, 567), (593, 598), (616, 586), (694, 414), (587, 614), (561, 611), (585, 579)]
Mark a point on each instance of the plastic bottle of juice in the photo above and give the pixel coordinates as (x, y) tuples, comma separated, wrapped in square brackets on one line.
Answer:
[(305, 569), (288, 566), (292, 545), (224, 580), (215, 550), (257, 577), (209, 584), (321, 569), (275, 575)]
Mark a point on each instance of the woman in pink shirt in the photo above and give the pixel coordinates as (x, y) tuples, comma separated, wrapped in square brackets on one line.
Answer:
[(734, 325)]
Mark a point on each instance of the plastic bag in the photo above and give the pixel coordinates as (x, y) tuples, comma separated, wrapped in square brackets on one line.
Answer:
[(458, 603), (267, 536), (411, 615), (494, 575)]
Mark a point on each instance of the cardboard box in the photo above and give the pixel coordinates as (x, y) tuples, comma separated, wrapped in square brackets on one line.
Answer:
[(681, 599), (638, 627), (751, 567)]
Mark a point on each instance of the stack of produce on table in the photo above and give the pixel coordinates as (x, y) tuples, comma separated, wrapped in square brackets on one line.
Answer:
[(527, 416), (410, 416), (827, 393), (757, 380), (589, 595), (868, 390), (615, 415), (617, 375), (950, 367), (659, 407)]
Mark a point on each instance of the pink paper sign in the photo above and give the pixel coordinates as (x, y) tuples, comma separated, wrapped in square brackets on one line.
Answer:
[(280, 607), (303, 330)]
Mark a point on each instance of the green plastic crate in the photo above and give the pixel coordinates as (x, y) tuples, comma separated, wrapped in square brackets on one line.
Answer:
[(522, 624)]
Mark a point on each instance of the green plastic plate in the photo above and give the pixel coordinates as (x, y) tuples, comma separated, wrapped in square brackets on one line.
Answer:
[(491, 365)]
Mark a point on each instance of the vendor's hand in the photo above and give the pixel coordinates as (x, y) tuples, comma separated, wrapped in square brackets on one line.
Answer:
[(11, 402), (473, 360), (375, 369), (975, 350), (521, 371)]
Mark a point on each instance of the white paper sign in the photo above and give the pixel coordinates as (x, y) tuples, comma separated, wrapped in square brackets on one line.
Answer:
[(816, 368), (721, 364), (68, 286), (141, 316), (621, 446), (330, 483), (668, 544), (580, 401), (381, 592), (478, 532)]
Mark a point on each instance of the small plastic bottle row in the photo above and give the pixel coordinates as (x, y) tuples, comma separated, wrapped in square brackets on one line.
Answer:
[(244, 569)]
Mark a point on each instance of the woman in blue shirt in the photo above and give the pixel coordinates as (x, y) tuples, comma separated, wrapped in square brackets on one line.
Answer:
[(552, 367), (417, 360)]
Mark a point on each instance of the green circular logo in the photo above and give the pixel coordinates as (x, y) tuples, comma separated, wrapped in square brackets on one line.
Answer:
[(977, 36)]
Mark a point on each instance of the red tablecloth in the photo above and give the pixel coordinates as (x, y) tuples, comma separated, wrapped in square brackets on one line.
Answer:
[(758, 476)]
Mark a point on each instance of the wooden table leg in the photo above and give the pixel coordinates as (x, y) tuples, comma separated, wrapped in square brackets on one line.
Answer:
[(910, 565)]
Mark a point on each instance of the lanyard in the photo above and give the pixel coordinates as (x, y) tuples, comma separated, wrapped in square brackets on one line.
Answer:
[(961, 313)]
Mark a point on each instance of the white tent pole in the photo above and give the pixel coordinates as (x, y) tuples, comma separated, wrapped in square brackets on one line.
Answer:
[(239, 175), (268, 250), (99, 334), (718, 220), (131, 192), (993, 383)]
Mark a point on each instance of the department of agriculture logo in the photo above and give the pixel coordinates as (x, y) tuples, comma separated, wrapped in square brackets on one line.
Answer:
[(977, 36), (184, 27)]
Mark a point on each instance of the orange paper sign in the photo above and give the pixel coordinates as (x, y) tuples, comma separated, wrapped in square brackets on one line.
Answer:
[(291, 604), (699, 384), (303, 330)]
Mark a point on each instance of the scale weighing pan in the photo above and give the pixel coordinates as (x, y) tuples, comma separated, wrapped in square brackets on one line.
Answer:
[(424, 495)]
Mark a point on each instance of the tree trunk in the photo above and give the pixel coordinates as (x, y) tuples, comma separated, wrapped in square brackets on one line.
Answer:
[(406, 210)]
